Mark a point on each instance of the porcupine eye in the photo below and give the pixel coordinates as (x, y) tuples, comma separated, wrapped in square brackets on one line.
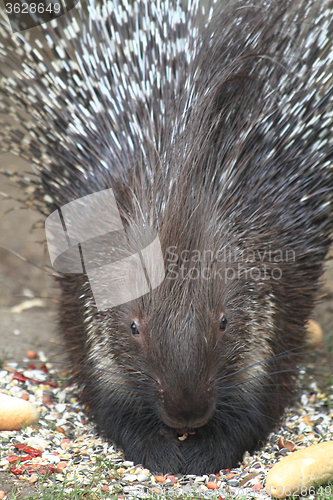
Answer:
[(223, 323), (134, 328)]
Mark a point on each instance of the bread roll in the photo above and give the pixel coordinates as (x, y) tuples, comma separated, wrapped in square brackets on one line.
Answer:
[(314, 335), (301, 470), (16, 413)]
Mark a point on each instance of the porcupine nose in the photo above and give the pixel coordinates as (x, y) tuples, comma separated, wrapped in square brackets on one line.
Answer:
[(182, 408)]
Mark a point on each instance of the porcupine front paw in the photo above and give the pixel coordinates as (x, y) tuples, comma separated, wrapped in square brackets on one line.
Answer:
[(206, 455), (219, 446), (157, 451), (215, 446)]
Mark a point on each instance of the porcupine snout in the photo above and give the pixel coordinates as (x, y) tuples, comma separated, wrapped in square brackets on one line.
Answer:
[(186, 389), (186, 408)]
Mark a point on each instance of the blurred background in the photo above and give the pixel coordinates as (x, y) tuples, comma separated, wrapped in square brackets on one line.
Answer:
[(28, 285)]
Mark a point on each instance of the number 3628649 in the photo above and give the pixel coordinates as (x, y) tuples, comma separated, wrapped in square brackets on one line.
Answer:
[(32, 8)]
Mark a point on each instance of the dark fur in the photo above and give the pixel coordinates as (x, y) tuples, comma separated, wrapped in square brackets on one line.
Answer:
[(227, 389)]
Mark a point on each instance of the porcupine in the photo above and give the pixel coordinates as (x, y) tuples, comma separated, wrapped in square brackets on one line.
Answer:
[(218, 138)]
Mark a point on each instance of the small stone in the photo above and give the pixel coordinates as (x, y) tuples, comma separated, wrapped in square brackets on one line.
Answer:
[(42, 356), (35, 374), (142, 477), (60, 407), (247, 478), (211, 485), (11, 366), (233, 482), (61, 466), (53, 459), (65, 443), (2, 494), (47, 398), (33, 479), (202, 488), (281, 442), (160, 479), (173, 479), (130, 477), (25, 396), (52, 417), (156, 490), (36, 442), (201, 479), (31, 354), (289, 445)]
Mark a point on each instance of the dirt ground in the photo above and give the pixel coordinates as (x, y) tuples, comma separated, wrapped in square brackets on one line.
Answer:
[(22, 281)]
